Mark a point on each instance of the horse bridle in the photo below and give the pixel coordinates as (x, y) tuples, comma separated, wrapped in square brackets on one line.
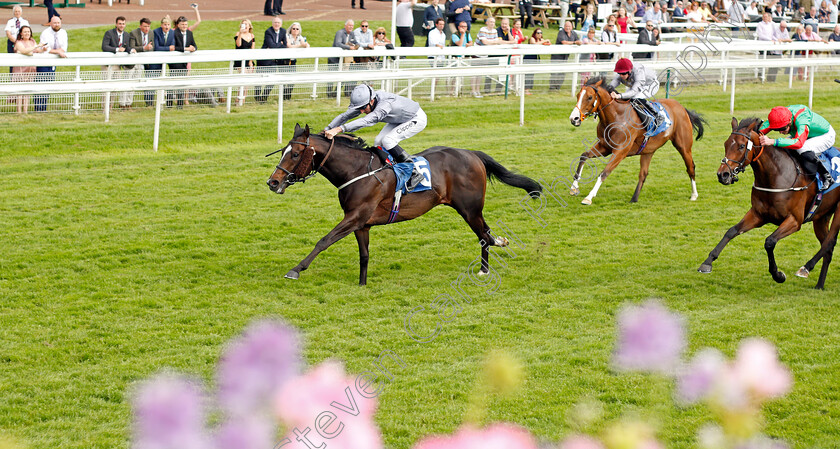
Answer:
[(596, 110), (742, 164), (292, 176)]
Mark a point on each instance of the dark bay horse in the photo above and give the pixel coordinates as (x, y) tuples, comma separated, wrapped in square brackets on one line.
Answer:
[(459, 180), (781, 195), (620, 134)]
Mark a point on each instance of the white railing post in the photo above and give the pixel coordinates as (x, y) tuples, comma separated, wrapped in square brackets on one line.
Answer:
[(280, 113), (76, 105), (315, 85), (732, 94), (230, 88), (159, 100)]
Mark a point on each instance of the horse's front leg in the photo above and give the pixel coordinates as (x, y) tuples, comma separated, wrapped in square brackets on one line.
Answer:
[(750, 221), (618, 156), (363, 237), (586, 155), (788, 227), (351, 222)]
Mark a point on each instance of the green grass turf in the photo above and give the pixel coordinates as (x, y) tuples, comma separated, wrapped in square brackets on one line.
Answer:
[(117, 262)]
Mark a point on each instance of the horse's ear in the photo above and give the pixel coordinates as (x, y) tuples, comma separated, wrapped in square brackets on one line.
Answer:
[(734, 123), (306, 131), (600, 82), (297, 128)]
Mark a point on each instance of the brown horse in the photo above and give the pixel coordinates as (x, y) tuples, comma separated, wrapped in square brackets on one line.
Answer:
[(621, 133), (781, 195), (366, 188)]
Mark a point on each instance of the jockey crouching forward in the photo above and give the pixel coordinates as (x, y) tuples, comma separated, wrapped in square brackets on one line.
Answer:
[(642, 84), (403, 117), (810, 135)]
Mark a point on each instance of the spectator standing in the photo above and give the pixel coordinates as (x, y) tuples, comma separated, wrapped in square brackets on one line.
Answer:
[(184, 42), (778, 11), (799, 15), (275, 37), (405, 20), (462, 38), (294, 39), (736, 14), (625, 22), (588, 18), (608, 37), (343, 39), (461, 11), (25, 45), (243, 40), (13, 27), (833, 11), (487, 35), (274, 8), (824, 12), (835, 37), (139, 41), (535, 39), (640, 9), (526, 11), (437, 38), (361, 4), (115, 41), (654, 14), (51, 12), (164, 40), (55, 41), (566, 36), (647, 37), (433, 12), (752, 10)]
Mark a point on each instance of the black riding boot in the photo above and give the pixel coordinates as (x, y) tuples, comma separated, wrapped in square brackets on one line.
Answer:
[(400, 155), (812, 164), (644, 104)]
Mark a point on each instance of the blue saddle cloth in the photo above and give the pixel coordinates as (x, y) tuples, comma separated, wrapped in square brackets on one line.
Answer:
[(830, 159), (403, 170), (660, 110)]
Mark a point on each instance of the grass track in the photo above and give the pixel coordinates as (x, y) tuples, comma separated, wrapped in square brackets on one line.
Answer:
[(117, 262)]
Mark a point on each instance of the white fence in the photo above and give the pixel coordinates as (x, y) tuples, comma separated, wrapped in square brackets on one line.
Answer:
[(713, 57)]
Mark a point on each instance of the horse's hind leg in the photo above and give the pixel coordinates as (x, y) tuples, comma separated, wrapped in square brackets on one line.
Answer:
[(363, 237), (788, 227), (750, 221), (474, 218), (644, 167), (827, 249), (683, 144), (821, 231)]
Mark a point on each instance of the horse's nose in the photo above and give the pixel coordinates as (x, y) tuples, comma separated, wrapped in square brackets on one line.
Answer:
[(273, 184), (575, 121), (724, 178)]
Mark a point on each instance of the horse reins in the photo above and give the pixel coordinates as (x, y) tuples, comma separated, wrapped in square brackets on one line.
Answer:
[(596, 109)]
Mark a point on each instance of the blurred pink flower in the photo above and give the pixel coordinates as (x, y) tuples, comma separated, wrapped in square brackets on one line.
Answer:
[(497, 436), (697, 380), (169, 414), (245, 433), (302, 399), (757, 367), (581, 442), (650, 338), (255, 366)]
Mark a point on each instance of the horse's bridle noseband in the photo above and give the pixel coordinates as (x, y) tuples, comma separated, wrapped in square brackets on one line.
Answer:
[(743, 163), (302, 174), (595, 110)]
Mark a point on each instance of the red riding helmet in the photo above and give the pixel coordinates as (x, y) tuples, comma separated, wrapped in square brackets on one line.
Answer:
[(779, 117), (623, 65)]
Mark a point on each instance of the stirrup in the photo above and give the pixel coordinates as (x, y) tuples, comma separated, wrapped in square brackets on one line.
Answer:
[(415, 180)]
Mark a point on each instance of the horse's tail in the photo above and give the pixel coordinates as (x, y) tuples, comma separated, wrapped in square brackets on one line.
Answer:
[(496, 170), (697, 122)]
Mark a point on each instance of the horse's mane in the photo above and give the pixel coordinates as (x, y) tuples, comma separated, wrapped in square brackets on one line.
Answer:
[(749, 121), (349, 140), (604, 83)]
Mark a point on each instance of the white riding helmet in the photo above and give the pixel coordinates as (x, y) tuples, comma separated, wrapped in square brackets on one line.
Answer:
[(362, 94)]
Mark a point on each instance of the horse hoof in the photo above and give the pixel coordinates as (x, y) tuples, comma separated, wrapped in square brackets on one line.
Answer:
[(781, 278), (292, 274), (693, 197), (482, 273), (705, 268), (574, 191), (501, 241), (586, 202), (803, 272)]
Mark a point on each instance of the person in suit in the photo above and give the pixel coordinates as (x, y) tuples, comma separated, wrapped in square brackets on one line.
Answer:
[(164, 40), (141, 40), (275, 37), (647, 37), (184, 42), (115, 41), (433, 12)]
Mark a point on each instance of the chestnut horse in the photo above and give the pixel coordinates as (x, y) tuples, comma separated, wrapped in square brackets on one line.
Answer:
[(621, 133), (366, 188), (781, 195)]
